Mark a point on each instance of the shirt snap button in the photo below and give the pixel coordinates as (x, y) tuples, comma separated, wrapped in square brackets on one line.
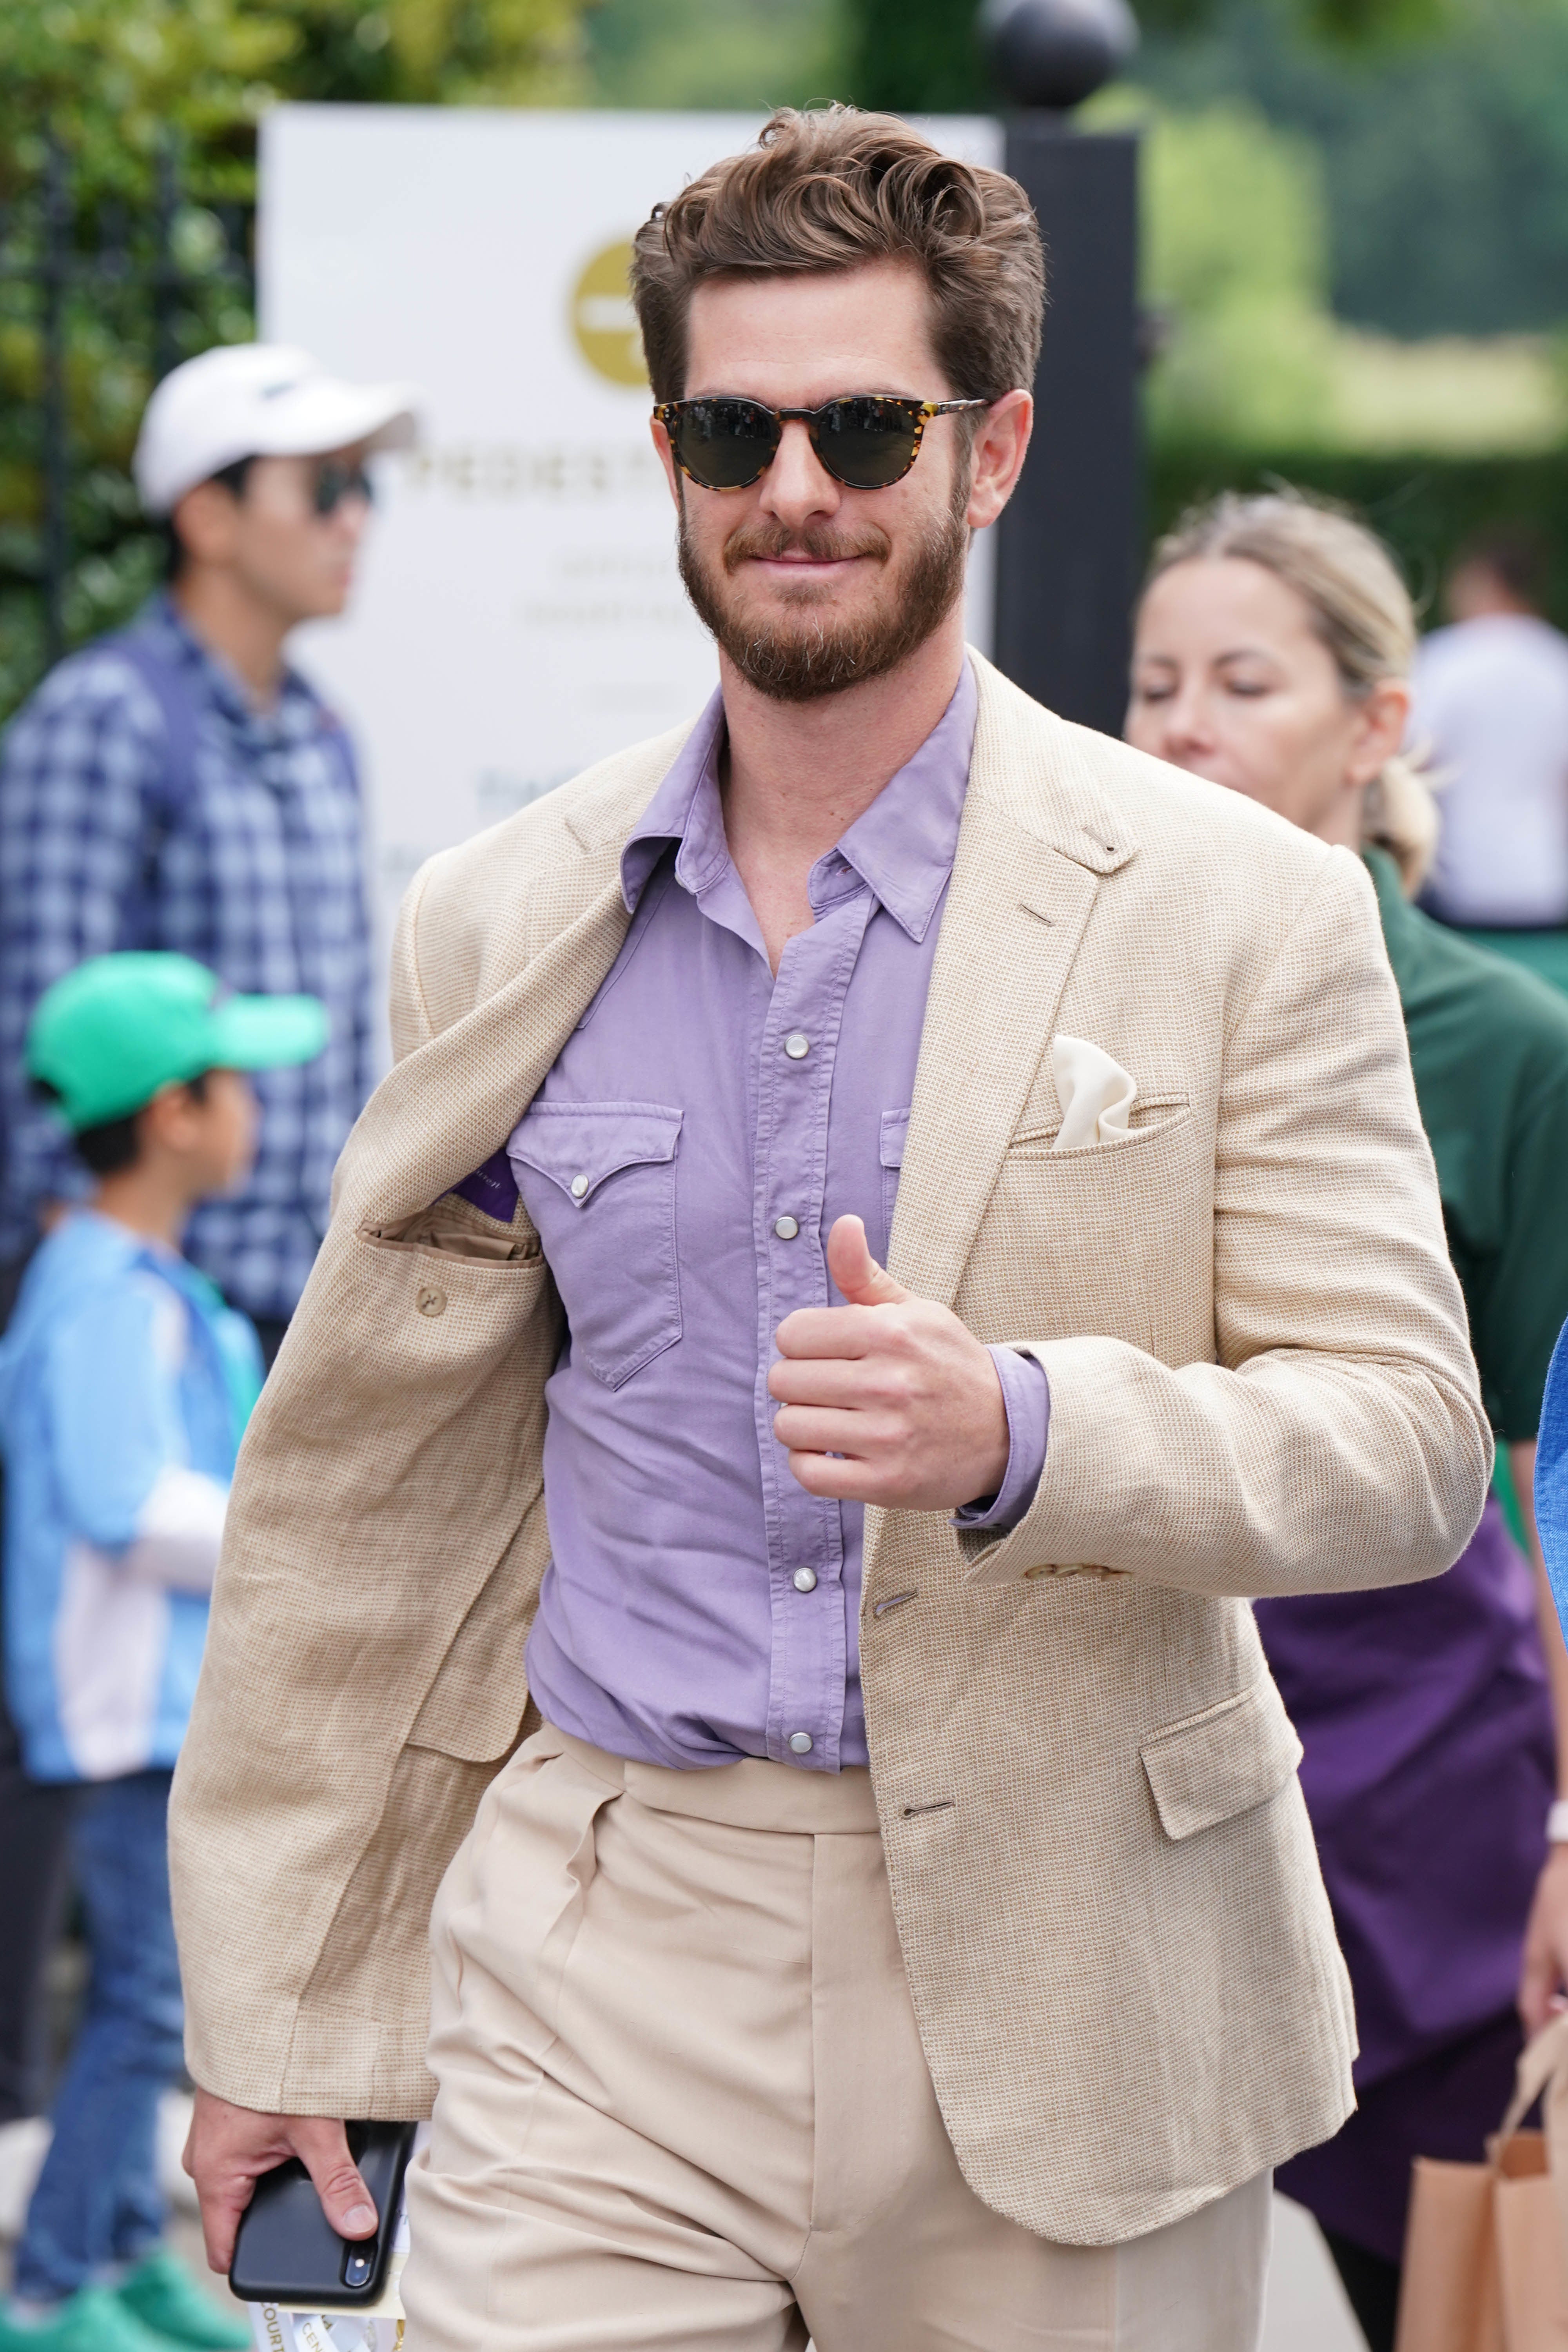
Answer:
[(431, 1302), (800, 1743), (579, 1187), (805, 1580), (797, 1046), (786, 1228)]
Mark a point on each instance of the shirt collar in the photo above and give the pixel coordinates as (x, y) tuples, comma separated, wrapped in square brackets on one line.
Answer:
[(902, 847)]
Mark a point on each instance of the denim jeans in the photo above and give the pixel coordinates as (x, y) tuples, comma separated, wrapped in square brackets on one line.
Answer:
[(98, 2204)]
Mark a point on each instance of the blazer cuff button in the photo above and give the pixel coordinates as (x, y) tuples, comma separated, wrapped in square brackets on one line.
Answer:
[(431, 1302)]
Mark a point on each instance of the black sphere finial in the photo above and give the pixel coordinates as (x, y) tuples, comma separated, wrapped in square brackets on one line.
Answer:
[(1055, 53)]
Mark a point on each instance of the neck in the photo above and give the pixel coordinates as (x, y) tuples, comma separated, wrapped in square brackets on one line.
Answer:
[(1342, 824), (233, 621), (797, 774), (148, 1200)]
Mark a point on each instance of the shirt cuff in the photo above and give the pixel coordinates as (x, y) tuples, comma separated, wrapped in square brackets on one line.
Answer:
[(1027, 1397)]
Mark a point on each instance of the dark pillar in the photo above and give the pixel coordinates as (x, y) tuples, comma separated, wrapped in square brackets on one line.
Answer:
[(1070, 541)]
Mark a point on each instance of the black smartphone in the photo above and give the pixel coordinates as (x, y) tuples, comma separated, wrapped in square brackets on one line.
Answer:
[(287, 2250)]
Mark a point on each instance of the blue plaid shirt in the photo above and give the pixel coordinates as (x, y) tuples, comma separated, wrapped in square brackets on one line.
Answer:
[(257, 874)]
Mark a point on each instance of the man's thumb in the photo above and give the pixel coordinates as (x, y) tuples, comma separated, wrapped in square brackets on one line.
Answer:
[(855, 1272)]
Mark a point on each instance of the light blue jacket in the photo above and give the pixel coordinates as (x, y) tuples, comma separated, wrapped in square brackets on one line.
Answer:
[(125, 1384)]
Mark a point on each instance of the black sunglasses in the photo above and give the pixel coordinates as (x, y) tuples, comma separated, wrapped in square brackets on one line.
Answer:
[(336, 481), (866, 440)]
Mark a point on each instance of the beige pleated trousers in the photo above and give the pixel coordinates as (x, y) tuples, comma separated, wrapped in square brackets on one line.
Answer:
[(683, 2104)]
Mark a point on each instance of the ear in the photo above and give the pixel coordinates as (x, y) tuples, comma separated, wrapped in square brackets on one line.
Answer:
[(161, 1123), (171, 1118), (1000, 447), (665, 457), (205, 520), (1382, 718)]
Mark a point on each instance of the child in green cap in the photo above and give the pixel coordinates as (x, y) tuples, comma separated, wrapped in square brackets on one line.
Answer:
[(125, 1383)]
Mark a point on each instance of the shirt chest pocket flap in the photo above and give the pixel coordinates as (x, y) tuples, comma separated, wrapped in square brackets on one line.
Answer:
[(598, 1180)]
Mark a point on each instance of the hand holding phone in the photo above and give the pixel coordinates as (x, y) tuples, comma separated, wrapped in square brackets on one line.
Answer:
[(231, 2147), (286, 2250)]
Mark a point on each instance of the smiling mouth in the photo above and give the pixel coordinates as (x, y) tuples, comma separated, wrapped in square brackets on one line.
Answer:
[(799, 560), (785, 551)]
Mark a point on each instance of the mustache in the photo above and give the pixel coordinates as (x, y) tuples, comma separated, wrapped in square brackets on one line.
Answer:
[(771, 540)]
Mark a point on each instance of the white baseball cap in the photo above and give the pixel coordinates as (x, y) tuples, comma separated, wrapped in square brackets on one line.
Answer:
[(259, 400)]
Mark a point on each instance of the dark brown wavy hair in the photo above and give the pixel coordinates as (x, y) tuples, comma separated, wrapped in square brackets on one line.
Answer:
[(832, 189)]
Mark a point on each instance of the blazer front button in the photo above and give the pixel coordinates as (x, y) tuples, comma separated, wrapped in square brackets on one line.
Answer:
[(1030, 1573), (431, 1302)]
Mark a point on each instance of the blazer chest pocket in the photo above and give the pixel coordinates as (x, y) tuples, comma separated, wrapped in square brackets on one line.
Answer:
[(598, 1181), (1112, 1239), (1210, 1767)]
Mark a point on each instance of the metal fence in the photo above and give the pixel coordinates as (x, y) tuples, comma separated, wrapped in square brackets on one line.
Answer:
[(100, 294)]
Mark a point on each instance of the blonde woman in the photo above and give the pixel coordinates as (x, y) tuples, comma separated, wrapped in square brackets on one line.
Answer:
[(1273, 647)]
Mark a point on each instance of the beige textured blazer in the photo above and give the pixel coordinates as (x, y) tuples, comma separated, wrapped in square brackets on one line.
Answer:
[(1120, 1950)]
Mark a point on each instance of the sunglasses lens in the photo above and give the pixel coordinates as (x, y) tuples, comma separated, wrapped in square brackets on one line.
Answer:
[(866, 443), (336, 482), (724, 444)]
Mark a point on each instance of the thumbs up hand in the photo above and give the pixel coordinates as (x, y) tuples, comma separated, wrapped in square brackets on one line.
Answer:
[(895, 1385)]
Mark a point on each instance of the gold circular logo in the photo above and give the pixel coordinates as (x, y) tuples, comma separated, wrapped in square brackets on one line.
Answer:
[(603, 320)]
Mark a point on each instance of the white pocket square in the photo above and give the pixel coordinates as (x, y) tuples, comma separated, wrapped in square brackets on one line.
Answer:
[(1096, 1094)]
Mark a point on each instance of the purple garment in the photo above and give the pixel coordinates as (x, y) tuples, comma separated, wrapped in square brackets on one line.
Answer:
[(1358, 2183), (1426, 1715), (683, 1161)]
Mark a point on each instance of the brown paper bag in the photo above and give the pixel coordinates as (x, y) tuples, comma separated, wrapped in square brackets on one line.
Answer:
[(1485, 2247)]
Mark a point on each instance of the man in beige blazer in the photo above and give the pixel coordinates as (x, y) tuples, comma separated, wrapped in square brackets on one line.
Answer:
[(887, 1910)]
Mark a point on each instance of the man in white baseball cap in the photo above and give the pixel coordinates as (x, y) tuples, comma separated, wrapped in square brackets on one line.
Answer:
[(178, 786), (259, 400)]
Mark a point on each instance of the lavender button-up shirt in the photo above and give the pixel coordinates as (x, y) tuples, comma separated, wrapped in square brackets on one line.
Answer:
[(684, 1161)]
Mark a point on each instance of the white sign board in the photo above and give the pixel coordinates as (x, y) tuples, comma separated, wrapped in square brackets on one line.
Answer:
[(519, 613)]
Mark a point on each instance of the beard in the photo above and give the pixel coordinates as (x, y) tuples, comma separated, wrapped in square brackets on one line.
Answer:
[(817, 653)]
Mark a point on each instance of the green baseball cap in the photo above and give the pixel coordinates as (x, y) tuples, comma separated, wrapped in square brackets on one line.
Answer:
[(110, 1033)]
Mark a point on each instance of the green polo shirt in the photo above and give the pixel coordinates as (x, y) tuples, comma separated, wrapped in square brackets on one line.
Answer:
[(1488, 1044)]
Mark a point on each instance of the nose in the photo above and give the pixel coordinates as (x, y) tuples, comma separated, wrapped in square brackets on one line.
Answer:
[(1184, 721), (351, 515), (797, 486)]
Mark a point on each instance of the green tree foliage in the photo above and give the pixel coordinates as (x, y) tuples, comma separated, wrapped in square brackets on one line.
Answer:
[(745, 54), (923, 56), (431, 52), (1235, 255), (919, 56), (1445, 162), (111, 75)]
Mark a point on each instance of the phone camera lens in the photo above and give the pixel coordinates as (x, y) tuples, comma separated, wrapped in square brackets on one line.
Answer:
[(360, 2262)]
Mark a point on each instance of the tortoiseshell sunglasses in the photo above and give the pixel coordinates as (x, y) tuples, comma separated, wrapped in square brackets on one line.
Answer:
[(866, 440)]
